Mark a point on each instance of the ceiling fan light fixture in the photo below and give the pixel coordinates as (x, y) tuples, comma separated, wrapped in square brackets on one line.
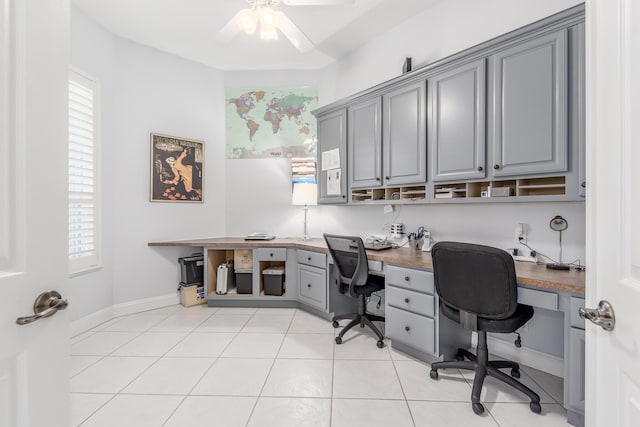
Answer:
[(268, 24), (248, 21)]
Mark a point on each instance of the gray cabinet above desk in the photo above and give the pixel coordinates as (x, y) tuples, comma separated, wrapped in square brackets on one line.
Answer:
[(505, 123)]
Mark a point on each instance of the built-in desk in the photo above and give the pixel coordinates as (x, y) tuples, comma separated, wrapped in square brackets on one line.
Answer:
[(413, 323)]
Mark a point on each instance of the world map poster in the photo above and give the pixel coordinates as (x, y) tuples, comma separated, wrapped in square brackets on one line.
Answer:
[(268, 123)]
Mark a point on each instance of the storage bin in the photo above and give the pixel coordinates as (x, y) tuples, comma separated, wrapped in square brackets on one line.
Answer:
[(273, 281), (192, 295), (244, 280), (191, 269), (243, 258)]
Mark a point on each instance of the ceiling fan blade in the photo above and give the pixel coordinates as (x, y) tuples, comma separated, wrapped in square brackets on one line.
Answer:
[(293, 33), (243, 20), (316, 2)]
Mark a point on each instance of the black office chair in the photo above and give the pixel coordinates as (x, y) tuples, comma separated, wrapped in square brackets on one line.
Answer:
[(350, 260), (478, 289)]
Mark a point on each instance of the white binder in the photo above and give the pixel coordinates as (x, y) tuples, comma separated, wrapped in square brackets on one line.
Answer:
[(221, 285)]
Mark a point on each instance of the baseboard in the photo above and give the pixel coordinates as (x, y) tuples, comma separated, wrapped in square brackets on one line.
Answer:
[(137, 306), (104, 315), (536, 359), (85, 323)]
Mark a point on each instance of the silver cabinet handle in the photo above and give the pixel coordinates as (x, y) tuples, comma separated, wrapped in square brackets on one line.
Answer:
[(47, 304), (602, 316)]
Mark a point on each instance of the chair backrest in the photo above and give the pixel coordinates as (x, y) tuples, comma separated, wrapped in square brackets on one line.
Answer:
[(476, 279), (350, 259)]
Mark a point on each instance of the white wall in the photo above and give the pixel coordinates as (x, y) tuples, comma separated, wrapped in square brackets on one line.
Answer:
[(144, 91), (447, 27), (93, 51), (258, 191), (158, 92)]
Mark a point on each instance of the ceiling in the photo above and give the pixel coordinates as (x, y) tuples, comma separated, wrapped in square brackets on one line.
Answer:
[(187, 28)]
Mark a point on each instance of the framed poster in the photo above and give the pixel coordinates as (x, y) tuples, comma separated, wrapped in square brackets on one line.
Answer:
[(177, 169)]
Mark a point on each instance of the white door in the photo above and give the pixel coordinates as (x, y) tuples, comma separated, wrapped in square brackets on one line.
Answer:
[(613, 210), (34, 58)]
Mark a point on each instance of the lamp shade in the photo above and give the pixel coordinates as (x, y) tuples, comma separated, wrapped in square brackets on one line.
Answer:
[(304, 193)]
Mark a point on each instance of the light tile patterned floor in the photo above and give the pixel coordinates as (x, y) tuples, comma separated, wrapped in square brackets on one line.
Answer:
[(199, 366)]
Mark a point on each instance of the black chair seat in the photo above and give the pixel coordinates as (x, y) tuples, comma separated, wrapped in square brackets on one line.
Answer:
[(374, 284), (511, 324)]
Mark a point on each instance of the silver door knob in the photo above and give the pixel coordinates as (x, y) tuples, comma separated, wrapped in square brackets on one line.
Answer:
[(602, 316), (47, 304)]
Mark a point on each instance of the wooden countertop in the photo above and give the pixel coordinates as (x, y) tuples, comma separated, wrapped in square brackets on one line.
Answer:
[(527, 273)]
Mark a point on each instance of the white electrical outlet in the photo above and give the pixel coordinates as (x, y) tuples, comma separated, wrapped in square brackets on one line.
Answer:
[(521, 233)]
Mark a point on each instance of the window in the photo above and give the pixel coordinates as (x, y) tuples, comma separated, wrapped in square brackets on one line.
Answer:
[(84, 219)]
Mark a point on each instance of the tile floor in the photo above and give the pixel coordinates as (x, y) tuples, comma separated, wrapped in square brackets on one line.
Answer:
[(247, 367)]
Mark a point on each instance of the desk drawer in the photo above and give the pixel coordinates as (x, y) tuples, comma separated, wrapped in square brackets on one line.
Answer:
[(418, 303), (315, 259), (409, 278), (272, 254), (411, 329), (534, 298)]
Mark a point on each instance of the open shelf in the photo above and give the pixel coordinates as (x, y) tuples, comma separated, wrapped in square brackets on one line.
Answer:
[(216, 257), (390, 194), (548, 186)]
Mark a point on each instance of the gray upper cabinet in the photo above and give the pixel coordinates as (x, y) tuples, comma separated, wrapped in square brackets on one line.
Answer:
[(365, 143), (529, 127), (457, 106), (332, 134), (404, 141)]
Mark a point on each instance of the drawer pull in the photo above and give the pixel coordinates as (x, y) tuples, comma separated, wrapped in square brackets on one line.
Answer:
[(271, 254), (406, 278), (480, 168), (309, 258), (407, 328), (496, 167), (407, 300), (309, 285)]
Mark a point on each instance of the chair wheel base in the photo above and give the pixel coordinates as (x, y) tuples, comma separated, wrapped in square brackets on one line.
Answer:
[(336, 324), (535, 407), (338, 340), (477, 408), (380, 344), (515, 373), (433, 374)]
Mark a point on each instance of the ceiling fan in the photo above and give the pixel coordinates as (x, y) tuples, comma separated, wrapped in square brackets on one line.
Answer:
[(261, 15)]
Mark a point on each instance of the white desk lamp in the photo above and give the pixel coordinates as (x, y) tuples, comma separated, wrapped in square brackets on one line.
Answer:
[(305, 194)]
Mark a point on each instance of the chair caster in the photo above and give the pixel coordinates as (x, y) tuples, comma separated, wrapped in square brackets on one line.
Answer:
[(459, 356), (338, 340), (336, 324), (477, 408), (535, 407), (433, 374), (515, 373), (380, 343)]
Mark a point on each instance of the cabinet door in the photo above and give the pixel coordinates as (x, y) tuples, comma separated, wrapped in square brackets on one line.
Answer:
[(365, 144), (312, 286), (457, 122), (404, 141), (332, 135), (578, 104), (529, 129)]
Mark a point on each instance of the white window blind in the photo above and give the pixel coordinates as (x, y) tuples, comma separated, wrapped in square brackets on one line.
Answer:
[(84, 225)]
